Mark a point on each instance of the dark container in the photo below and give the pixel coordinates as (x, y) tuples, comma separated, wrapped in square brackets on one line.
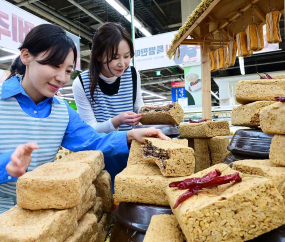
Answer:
[(169, 130), (133, 220), (251, 143)]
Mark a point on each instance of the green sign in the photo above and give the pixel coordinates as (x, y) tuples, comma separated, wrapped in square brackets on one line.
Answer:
[(158, 73)]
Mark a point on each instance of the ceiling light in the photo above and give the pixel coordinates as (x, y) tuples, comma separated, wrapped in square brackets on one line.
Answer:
[(68, 98), (117, 6), (66, 88), (68, 94), (145, 32), (9, 57), (11, 51), (153, 94)]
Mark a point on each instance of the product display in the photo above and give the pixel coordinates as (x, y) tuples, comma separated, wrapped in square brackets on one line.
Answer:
[(272, 119), (212, 60), (242, 45), (87, 227), (235, 211), (263, 168), (277, 152), (23, 225), (169, 114), (88, 201), (232, 53), (272, 27), (254, 33), (259, 90), (248, 115), (142, 183), (104, 190), (94, 159), (164, 228), (173, 159), (204, 130), (97, 209), (59, 185)]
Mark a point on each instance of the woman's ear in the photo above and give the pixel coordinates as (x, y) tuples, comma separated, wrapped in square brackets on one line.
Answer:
[(25, 56)]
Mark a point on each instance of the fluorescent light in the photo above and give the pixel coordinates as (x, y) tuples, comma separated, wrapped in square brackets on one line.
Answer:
[(66, 88), (68, 98), (11, 51), (69, 94), (126, 13), (145, 32), (9, 57), (117, 6), (153, 94)]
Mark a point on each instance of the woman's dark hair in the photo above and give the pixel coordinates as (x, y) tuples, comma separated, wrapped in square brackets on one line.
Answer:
[(49, 38), (105, 45)]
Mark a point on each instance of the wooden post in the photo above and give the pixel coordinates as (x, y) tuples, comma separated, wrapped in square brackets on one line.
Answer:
[(206, 83)]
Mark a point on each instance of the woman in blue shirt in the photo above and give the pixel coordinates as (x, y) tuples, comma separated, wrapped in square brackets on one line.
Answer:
[(34, 123)]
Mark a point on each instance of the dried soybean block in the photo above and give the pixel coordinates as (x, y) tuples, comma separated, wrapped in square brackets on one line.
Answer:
[(97, 210), (202, 154), (163, 228), (282, 76), (142, 183), (104, 190), (87, 227), (259, 90), (210, 152), (136, 155), (169, 114), (173, 159), (248, 115), (219, 149), (277, 151), (263, 168), (88, 201), (103, 228), (24, 225), (231, 212), (93, 158), (272, 119), (59, 185), (204, 130)]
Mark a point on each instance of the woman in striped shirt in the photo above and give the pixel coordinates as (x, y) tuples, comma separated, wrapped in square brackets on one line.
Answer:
[(108, 94)]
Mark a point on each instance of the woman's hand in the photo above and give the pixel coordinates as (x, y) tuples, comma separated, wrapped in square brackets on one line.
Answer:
[(21, 159), (140, 134), (129, 118)]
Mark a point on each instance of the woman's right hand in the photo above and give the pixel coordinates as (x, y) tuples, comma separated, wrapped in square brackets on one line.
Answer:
[(129, 118), (21, 159)]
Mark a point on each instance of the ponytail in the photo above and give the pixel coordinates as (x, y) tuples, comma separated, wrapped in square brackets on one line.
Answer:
[(17, 68)]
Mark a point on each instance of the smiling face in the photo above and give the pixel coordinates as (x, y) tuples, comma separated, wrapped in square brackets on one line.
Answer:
[(41, 81), (119, 63)]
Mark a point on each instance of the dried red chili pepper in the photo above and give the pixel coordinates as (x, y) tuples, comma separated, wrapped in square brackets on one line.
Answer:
[(185, 196), (212, 174), (268, 76), (188, 184), (220, 180), (199, 121), (280, 99)]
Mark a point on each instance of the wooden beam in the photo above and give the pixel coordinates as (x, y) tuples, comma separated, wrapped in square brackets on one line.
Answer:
[(197, 22), (228, 33), (235, 16), (259, 13), (199, 41)]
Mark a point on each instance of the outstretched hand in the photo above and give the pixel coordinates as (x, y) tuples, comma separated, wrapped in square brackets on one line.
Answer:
[(140, 134), (21, 159)]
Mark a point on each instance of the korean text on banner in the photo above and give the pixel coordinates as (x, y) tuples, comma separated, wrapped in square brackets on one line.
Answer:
[(178, 90)]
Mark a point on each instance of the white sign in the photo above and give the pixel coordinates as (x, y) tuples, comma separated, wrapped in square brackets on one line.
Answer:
[(150, 52), (16, 23)]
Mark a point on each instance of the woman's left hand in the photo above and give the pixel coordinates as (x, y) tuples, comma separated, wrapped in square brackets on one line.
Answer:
[(140, 134)]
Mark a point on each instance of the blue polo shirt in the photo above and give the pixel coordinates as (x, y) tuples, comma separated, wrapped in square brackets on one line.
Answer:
[(78, 135)]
